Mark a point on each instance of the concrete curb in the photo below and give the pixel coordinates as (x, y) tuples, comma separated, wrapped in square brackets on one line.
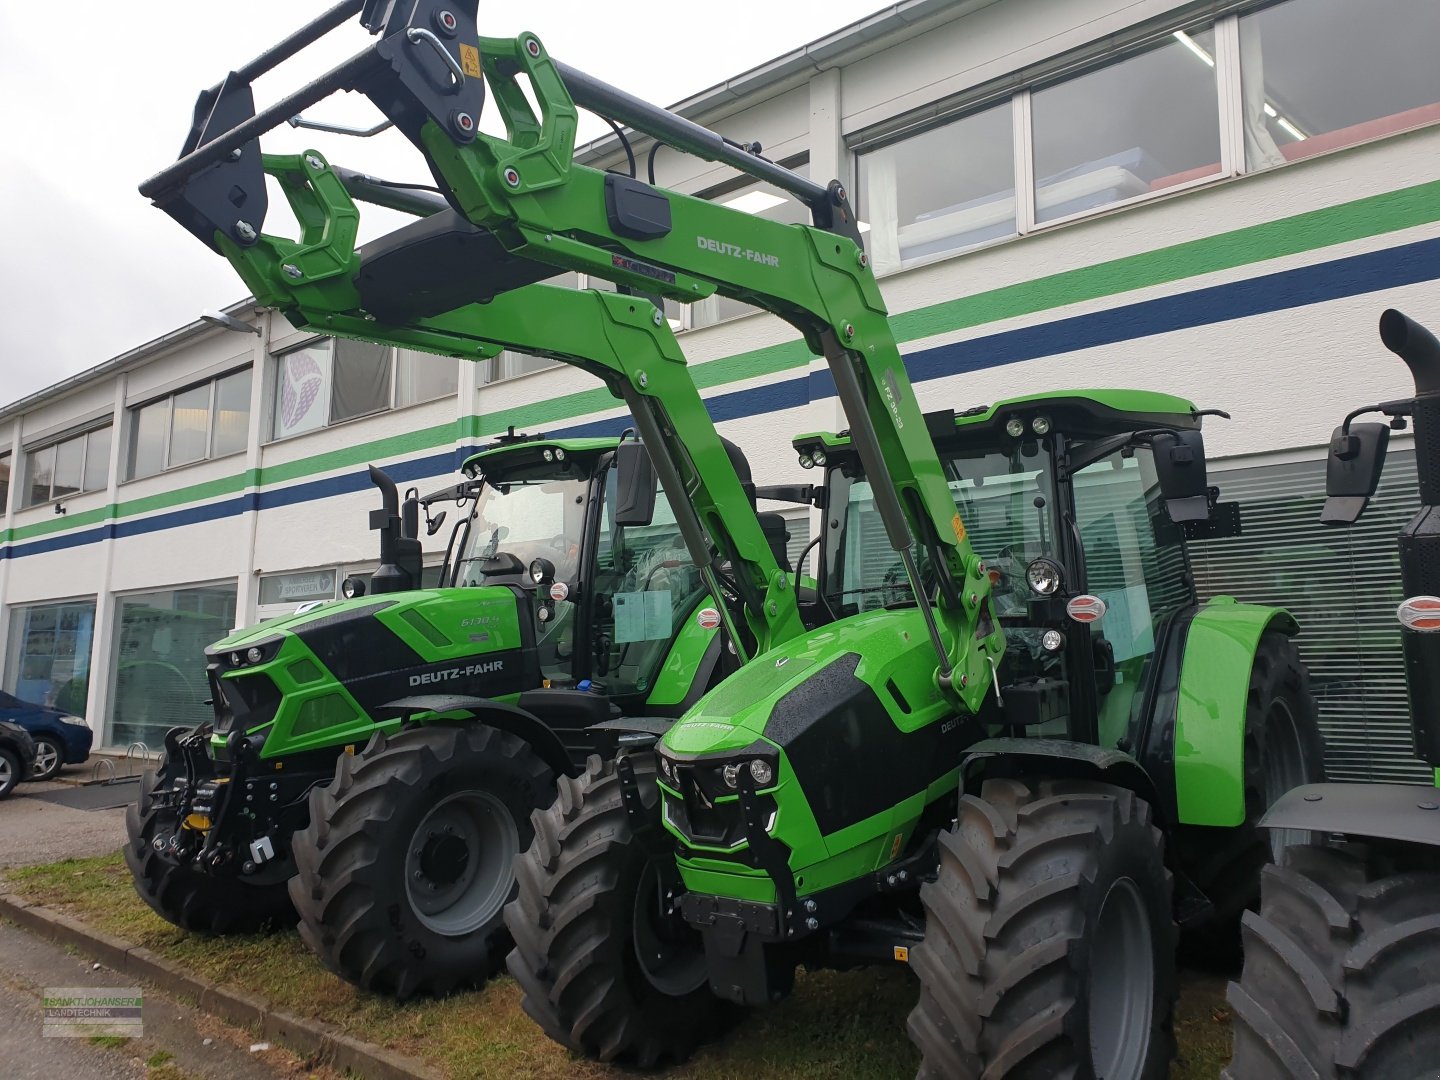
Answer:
[(310, 1038)]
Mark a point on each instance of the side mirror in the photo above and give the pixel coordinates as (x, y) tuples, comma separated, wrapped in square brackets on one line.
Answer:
[(432, 525), (1352, 471), (1180, 466), (635, 484)]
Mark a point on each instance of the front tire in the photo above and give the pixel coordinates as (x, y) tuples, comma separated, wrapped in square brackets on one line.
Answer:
[(1049, 945), (179, 894), (408, 860), (606, 972), (1339, 976), (49, 756)]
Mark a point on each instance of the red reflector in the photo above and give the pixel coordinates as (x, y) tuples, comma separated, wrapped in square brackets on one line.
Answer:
[(1085, 608), (1420, 613)]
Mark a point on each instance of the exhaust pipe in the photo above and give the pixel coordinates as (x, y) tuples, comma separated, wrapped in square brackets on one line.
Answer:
[(1415, 345), (1420, 539), (390, 576)]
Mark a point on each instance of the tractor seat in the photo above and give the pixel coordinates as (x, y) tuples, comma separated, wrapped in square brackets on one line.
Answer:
[(437, 264)]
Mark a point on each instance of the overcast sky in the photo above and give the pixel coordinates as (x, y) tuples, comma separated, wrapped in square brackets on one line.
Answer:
[(96, 102)]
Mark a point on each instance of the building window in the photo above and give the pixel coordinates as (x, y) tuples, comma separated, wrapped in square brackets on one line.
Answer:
[(941, 191), (74, 465), (1320, 74), (1143, 124), (206, 421), (158, 677), (336, 379), (48, 661), (512, 363), (4, 482)]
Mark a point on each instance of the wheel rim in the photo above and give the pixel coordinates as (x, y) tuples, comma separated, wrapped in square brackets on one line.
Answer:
[(1284, 768), (669, 950), (5, 774), (459, 863), (1122, 984), (47, 759)]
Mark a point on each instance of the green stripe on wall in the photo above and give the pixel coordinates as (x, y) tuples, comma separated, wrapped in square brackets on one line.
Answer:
[(1316, 229)]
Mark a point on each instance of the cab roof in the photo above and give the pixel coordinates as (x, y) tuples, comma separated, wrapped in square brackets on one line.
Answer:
[(1079, 414), (524, 451)]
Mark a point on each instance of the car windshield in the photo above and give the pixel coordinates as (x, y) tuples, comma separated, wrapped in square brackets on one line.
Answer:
[(1004, 497), (527, 519)]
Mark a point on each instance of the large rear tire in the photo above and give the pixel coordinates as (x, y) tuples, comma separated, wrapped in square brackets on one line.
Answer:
[(1283, 750), (408, 860), (1049, 944), (606, 970), (178, 893), (1340, 972)]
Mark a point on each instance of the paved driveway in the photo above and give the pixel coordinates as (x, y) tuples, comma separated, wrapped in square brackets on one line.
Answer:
[(35, 831)]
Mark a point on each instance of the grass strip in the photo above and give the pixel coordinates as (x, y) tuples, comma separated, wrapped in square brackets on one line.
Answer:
[(849, 1024)]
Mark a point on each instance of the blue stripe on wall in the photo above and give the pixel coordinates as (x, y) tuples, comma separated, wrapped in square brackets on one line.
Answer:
[(1284, 290), (1287, 289)]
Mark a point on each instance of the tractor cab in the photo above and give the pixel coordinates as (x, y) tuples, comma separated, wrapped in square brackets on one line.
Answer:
[(1079, 503)]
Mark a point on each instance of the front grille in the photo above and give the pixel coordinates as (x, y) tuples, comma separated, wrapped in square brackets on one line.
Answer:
[(243, 701), (699, 814)]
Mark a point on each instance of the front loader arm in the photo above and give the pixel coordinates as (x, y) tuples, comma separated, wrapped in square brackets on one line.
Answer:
[(428, 73)]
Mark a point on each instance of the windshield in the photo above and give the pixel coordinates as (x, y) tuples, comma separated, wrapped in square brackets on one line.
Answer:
[(527, 519), (1004, 497)]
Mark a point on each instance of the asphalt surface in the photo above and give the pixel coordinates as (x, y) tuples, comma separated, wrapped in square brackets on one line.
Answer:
[(195, 1046), (32, 831)]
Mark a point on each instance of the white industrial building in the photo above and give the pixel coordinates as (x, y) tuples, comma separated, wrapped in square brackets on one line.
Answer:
[(1213, 199)]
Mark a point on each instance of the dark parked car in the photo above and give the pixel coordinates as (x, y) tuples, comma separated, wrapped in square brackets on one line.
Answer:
[(17, 756), (60, 739)]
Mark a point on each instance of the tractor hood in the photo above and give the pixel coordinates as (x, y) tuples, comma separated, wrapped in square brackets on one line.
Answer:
[(894, 656)]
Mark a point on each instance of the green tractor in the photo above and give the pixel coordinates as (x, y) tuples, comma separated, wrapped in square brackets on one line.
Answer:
[(531, 639), (794, 812), (1339, 977), (1109, 787)]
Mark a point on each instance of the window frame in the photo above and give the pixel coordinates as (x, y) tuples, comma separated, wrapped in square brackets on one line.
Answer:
[(1018, 87), (274, 360), (132, 413), (80, 435)]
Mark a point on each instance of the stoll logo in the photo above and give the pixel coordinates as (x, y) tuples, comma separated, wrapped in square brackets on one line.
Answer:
[(428, 677), (737, 251)]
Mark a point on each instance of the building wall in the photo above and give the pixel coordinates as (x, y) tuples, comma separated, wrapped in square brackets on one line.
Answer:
[(1255, 293)]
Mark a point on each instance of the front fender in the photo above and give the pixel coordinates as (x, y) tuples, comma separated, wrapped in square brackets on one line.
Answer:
[(1209, 742)]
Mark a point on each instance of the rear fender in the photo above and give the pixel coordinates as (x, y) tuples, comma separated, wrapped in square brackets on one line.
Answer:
[(457, 710), (1409, 813), (1209, 736)]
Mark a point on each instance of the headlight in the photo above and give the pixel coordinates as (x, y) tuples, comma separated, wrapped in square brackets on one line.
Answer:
[(559, 454), (78, 721), (541, 570), (818, 457), (548, 454), (731, 774), (1052, 641), (1040, 425), (236, 659), (471, 470), (762, 772), (1014, 427), (665, 768), (806, 461), (254, 654), (1043, 576), (352, 587)]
